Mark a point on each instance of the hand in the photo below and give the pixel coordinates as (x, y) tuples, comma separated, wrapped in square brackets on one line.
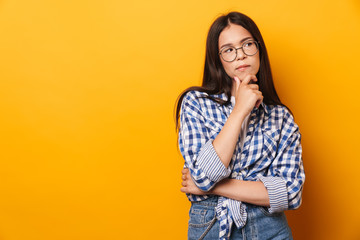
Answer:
[(189, 185), (247, 95)]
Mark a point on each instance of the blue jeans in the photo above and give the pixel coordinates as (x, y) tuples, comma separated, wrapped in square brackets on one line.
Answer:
[(260, 225)]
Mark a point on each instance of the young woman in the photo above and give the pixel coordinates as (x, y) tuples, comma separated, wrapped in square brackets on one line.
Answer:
[(242, 150)]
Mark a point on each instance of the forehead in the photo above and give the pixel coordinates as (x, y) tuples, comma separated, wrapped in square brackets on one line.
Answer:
[(233, 34)]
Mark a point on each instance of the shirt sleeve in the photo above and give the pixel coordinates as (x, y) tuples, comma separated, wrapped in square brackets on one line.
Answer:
[(196, 146), (286, 175)]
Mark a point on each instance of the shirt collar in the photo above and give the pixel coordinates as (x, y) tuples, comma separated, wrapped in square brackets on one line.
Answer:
[(263, 105)]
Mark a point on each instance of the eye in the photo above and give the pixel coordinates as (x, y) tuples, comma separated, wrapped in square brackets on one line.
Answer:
[(228, 50), (249, 44)]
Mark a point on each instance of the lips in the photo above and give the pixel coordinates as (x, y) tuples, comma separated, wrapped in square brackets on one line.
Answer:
[(242, 67)]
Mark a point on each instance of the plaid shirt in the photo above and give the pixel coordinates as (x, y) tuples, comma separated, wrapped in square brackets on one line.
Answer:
[(271, 154)]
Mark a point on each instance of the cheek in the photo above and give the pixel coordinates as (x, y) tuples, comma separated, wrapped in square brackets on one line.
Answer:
[(228, 68), (257, 63), (257, 67)]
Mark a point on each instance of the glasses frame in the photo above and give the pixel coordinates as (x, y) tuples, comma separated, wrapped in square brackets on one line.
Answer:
[(242, 45)]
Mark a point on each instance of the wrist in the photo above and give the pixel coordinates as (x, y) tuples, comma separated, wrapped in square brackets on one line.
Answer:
[(238, 114), (216, 190), (212, 191)]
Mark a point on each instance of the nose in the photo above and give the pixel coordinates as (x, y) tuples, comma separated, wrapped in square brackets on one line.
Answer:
[(240, 55)]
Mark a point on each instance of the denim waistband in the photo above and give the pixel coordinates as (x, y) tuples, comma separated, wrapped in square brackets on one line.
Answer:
[(211, 201)]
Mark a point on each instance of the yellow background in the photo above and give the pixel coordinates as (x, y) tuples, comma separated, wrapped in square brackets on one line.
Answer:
[(87, 90)]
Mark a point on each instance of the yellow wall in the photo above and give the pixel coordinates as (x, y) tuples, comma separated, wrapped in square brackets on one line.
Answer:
[(87, 89)]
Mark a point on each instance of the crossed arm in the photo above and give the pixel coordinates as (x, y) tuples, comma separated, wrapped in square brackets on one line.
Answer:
[(245, 191)]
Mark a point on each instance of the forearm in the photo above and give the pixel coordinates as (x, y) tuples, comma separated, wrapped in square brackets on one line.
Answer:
[(225, 142), (245, 191)]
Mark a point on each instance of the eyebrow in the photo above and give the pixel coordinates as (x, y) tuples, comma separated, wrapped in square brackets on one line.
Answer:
[(229, 44)]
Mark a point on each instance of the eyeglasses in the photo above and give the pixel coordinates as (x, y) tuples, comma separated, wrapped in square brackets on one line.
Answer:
[(249, 48)]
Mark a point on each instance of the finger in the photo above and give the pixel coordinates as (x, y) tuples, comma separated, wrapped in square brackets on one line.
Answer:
[(258, 93), (254, 86), (184, 171), (248, 78), (257, 105), (183, 183), (183, 189), (253, 81), (258, 96), (259, 101), (183, 177)]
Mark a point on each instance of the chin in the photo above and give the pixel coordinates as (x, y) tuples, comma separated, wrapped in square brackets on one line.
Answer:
[(243, 74)]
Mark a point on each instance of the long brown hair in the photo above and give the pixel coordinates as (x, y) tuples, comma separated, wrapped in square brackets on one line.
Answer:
[(216, 80)]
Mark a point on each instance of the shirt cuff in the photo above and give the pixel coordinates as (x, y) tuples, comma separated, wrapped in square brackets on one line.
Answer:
[(277, 192), (210, 163)]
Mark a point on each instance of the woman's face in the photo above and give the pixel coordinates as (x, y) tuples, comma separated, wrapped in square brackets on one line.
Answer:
[(234, 36)]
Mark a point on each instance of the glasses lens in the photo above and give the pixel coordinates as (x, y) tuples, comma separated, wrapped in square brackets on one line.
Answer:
[(250, 48), (228, 54)]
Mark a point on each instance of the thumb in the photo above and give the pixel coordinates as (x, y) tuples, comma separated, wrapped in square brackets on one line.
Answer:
[(237, 82)]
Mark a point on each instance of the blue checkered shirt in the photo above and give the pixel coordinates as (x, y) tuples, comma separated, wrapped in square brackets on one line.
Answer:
[(271, 153)]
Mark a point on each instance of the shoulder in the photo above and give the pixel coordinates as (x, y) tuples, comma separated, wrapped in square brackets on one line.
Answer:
[(194, 96), (201, 103), (193, 103), (202, 99)]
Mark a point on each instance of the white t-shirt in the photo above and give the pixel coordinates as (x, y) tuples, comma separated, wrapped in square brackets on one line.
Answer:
[(244, 126)]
